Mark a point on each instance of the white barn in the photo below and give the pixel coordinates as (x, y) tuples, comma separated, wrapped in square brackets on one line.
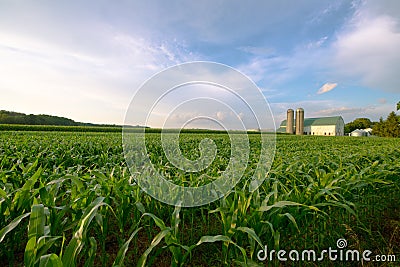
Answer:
[(329, 126)]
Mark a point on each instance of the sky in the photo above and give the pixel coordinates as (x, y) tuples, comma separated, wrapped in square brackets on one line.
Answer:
[(85, 60)]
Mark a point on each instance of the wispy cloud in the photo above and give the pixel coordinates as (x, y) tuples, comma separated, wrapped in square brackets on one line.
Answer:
[(339, 110), (326, 88), (367, 49), (317, 44), (73, 81), (85, 61), (382, 100), (258, 51)]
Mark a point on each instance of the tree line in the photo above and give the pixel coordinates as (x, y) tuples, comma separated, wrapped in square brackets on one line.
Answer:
[(11, 117), (390, 127)]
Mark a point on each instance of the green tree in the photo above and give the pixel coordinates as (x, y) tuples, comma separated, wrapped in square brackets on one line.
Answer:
[(378, 127), (359, 123), (392, 125), (398, 105), (362, 123), (388, 128)]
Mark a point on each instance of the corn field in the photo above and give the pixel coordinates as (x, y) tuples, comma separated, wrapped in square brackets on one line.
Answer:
[(68, 199)]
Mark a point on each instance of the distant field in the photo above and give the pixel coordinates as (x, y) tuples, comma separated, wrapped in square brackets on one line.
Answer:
[(57, 128), (67, 198), (105, 129)]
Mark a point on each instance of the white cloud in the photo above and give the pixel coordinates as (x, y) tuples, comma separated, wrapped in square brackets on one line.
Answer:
[(85, 61), (382, 100), (339, 110), (373, 112), (326, 88), (257, 50), (41, 75), (240, 116), (274, 70), (368, 49), (317, 44), (221, 115)]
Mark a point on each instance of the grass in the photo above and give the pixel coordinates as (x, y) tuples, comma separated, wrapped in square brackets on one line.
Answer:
[(68, 199)]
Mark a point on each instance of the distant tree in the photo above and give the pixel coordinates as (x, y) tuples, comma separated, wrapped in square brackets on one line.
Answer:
[(398, 105), (359, 123), (389, 127), (378, 127), (362, 123), (392, 125), (11, 117), (349, 127)]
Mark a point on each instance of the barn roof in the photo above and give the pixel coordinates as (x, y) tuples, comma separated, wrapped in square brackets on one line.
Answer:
[(318, 121)]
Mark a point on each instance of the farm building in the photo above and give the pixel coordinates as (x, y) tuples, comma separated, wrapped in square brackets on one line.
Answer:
[(330, 126), (361, 132)]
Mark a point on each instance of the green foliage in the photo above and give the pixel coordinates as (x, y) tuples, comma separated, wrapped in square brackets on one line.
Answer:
[(68, 199), (53, 128), (10, 117), (360, 123), (389, 127), (39, 242)]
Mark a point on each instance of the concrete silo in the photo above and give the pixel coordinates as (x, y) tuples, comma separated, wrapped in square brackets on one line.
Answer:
[(299, 121), (290, 121)]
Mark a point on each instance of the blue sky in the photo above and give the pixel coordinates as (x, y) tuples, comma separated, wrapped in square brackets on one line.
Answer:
[(85, 60)]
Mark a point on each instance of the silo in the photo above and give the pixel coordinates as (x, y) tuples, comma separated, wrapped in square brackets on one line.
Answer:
[(299, 121), (289, 121)]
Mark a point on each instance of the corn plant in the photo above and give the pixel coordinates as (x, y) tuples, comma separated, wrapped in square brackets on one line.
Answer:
[(68, 199)]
